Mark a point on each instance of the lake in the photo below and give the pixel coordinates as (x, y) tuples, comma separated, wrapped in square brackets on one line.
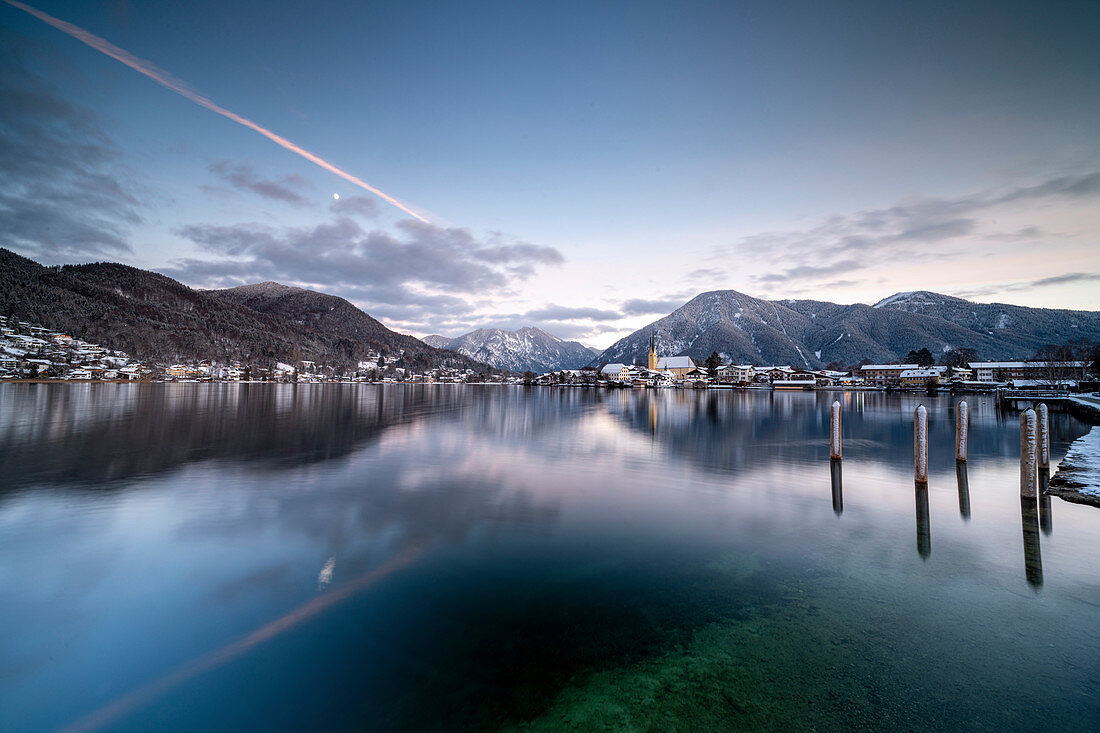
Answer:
[(462, 557)]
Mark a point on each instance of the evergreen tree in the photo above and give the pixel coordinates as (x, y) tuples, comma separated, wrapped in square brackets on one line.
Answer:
[(712, 363), (922, 358)]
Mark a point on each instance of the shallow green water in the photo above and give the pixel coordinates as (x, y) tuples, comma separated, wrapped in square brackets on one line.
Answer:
[(190, 557)]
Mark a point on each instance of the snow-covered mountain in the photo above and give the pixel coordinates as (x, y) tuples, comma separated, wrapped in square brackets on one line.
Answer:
[(526, 349), (810, 333)]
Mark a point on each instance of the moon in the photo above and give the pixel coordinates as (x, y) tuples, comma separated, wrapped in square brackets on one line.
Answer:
[(335, 197)]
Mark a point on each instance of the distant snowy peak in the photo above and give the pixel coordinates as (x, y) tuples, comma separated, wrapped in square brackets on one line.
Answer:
[(269, 289), (915, 301), (525, 349), (436, 341)]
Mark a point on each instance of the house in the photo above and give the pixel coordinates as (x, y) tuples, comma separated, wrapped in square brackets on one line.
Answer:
[(181, 371), (698, 376), (885, 375), (1049, 371), (797, 379), (919, 377), (134, 371), (616, 372), (957, 374), (736, 373), (772, 373)]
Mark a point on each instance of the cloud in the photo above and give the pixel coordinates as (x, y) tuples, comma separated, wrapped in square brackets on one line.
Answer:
[(566, 313), (361, 206), (404, 274), (1023, 234), (1010, 287), (243, 176), (65, 191), (641, 307), (705, 273), (807, 271), (1070, 277), (920, 229), (937, 230)]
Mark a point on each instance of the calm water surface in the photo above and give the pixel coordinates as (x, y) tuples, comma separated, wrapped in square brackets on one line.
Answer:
[(280, 557)]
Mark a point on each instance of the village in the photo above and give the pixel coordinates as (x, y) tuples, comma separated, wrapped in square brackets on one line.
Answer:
[(681, 372), (32, 352)]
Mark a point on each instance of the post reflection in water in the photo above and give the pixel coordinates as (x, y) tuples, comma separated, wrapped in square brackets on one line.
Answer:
[(1046, 520), (924, 528), (1033, 558), (838, 491), (964, 489)]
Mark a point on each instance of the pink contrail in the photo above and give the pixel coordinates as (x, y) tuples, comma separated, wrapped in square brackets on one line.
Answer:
[(167, 81)]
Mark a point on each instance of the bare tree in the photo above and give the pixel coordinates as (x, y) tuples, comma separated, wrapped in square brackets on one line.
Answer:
[(1055, 366)]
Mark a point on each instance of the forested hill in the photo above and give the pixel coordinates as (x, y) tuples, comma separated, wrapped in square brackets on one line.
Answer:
[(812, 334), (156, 318)]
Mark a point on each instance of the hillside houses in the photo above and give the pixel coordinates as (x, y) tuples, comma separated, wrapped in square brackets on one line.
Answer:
[(28, 351)]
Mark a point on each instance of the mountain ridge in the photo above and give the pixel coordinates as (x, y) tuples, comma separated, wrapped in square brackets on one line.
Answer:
[(153, 317), (812, 333), (525, 349)]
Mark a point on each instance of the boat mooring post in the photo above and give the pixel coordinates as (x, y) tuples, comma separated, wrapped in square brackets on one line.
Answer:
[(838, 489), (834, 432), (962, 420), (920, 444), (1027, 453), (1033, 555), (1043, 447), (964, 489), (924, 527)]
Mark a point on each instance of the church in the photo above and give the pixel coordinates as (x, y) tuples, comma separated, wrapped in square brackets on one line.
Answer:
[(678, 365)]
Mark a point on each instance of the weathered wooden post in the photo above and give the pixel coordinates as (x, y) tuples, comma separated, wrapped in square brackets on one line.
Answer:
[(964, 489), (1033, 557), (1027, 453), (1044, 436), (920, 444), (962, 420), (834, 432), (838, 489), (924, 527), (1046, 520)]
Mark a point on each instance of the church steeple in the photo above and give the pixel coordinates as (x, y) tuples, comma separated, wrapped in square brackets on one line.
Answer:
[(652, 351)]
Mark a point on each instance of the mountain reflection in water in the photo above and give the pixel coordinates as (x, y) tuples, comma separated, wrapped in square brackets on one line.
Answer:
[(185, 556)]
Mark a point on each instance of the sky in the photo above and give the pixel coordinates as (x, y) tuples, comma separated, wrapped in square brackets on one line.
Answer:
[(581, 167)]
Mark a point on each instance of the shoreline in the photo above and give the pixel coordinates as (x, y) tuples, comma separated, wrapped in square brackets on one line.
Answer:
[(1078, 477)]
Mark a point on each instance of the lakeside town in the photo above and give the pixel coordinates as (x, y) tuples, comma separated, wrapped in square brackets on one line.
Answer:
[(32, 352)]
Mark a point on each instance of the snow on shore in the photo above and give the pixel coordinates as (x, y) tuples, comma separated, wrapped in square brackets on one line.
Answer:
[(1079, 473)]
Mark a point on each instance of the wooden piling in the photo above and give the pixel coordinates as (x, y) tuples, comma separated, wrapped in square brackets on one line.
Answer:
[(1046, 521), (924, 527), (1033, 556), (962, 423), (1027, 453), (1043, 447), (964, 489), (834, 432), (920, 444), (838, 489)]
